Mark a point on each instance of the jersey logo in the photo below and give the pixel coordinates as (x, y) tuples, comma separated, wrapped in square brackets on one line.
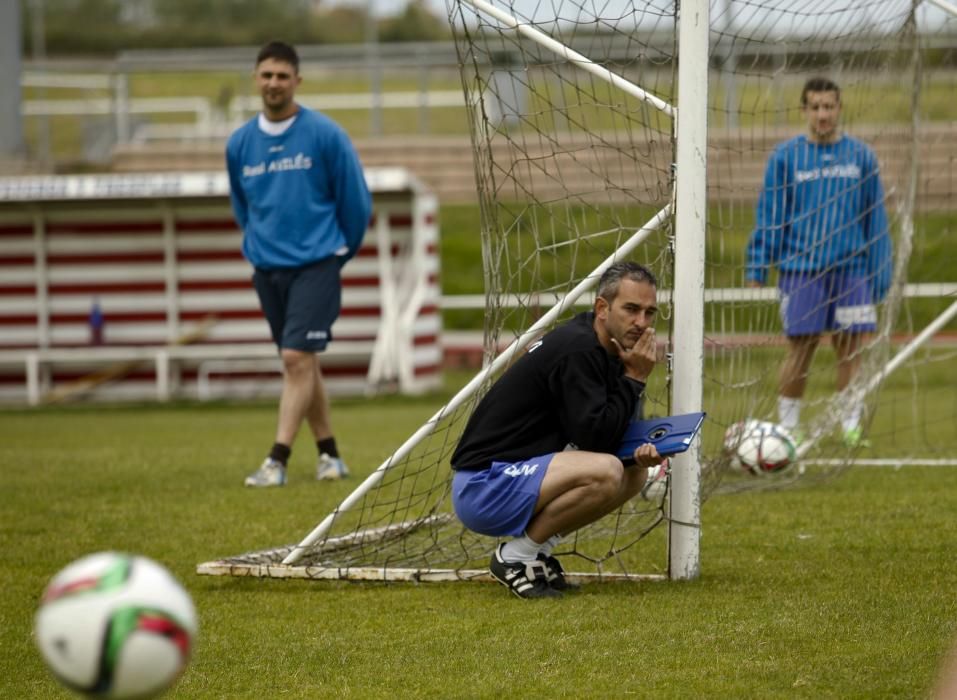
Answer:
[(298, 162), (523, 470), (848, 170)]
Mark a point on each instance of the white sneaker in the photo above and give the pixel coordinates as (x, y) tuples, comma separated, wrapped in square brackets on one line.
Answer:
[(656, 485), (270, 473), (331, 468)]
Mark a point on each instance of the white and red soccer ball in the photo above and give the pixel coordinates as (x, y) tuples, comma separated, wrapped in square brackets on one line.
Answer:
[(759, 447), (115, 625)]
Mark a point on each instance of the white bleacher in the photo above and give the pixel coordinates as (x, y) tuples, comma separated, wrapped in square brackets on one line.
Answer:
[(160, 254)]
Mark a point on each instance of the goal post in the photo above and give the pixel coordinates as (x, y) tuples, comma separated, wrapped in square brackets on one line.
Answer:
[(691, 214)]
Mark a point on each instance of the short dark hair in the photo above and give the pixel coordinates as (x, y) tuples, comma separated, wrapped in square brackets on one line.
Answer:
[(279, 51), (611, 279), (819, 84)]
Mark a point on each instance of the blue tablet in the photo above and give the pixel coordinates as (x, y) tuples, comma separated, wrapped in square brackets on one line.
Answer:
[(670, 435)]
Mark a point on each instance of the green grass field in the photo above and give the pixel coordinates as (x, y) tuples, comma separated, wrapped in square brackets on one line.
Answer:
[(839, 590), (843, 589)]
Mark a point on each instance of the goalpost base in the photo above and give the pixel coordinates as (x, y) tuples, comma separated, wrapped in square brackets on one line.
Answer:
[(269, 563), (227, 567)]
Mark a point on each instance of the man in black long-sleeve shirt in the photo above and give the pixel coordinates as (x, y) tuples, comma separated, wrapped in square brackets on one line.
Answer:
[(536, 460)]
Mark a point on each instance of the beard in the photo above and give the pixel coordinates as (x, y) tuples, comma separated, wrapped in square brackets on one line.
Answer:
[(628, 338), (275, 103)]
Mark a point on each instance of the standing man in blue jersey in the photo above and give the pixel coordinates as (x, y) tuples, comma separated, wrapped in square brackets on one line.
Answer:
[(536, 460), (300, 198), (821, 221)]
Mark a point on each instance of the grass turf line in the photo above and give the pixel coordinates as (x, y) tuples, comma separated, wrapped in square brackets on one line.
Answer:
[(843, 590)]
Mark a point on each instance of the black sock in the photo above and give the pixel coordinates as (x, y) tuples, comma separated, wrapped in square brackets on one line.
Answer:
[(280, 453), (328, 446)]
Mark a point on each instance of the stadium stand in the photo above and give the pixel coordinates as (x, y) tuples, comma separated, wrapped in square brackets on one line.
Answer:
[(445, 164)]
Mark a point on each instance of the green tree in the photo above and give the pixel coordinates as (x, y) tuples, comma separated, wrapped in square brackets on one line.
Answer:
[(233, 13), (73, 25), (108, 26), (415, 23), (340, 24), (225, 22)]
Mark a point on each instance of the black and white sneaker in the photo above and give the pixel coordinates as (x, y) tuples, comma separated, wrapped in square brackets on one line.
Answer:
[(556, 574), (526, 579)]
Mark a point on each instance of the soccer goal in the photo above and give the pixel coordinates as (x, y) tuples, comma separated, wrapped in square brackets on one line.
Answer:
[(641, 131)]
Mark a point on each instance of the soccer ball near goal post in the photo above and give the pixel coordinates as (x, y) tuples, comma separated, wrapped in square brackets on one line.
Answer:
[(759, 447), (115, 626)]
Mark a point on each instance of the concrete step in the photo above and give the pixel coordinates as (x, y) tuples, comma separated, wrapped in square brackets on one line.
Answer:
[(578, 163)]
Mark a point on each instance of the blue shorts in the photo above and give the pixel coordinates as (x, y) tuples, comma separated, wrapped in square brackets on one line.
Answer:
[(500, 500), (814, 302), (301, 304)]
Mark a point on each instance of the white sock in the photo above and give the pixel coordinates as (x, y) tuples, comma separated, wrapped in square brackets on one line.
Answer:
[(789, 412), (521, 548), (852, 417), (550, 545)]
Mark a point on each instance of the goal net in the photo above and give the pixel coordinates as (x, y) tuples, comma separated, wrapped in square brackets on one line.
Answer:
[(894, 64), (572, 115)]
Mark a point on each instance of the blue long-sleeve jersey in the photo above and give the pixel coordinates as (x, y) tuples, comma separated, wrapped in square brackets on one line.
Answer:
[(822, 208), (299, 197)]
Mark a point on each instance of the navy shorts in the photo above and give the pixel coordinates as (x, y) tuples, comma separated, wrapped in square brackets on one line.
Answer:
[(814, 302), (500, 500), (301, 304)]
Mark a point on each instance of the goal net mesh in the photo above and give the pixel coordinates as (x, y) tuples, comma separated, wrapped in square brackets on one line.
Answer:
[(573, 162), (894, 64)]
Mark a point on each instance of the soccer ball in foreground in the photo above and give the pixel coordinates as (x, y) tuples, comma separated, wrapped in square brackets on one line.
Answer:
[(759, 447), (115, 626)]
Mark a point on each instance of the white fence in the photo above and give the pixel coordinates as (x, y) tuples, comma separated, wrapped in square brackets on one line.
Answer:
[(206, 120)]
